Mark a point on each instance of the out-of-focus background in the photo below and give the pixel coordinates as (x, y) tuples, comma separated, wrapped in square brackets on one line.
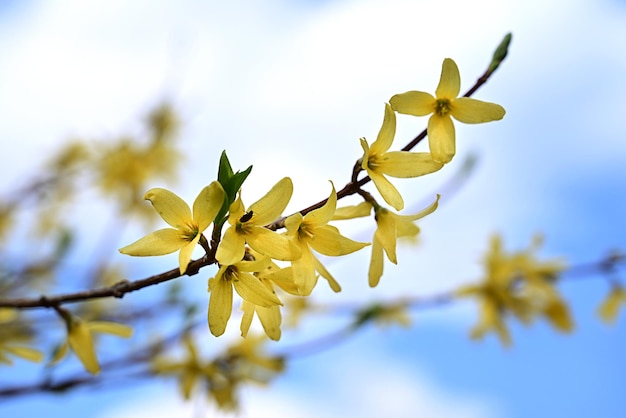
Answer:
[(290, 87)]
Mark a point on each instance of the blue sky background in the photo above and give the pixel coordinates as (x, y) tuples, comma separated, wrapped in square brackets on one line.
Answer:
[(290, 86)]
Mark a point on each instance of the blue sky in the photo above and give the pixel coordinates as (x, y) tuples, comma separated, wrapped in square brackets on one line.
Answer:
[(293, 85)]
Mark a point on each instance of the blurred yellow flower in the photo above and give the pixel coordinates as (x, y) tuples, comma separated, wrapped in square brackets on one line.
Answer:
[(13, 336), (187, 229), (377, 161), (609, 309), (249, 227), (80, 340), (517, 284), (445, 104)]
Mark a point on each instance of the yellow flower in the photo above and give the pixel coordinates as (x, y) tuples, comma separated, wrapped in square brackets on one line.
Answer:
[(403, 164), (190, 370), (80, 340), (311, 231), (609, 309), (390, 227), (520, 285), (446, 104), (13, 336), (249, 227), (187, 228), (247, 285)]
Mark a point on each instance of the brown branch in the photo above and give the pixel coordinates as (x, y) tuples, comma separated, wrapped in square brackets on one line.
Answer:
[(117, 290)]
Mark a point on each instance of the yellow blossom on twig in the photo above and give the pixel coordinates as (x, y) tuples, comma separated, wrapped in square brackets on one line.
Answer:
[(378, 161), (312, 231), (247, 285), (187, 229), (392, 226), (445, 105), (249, 227)]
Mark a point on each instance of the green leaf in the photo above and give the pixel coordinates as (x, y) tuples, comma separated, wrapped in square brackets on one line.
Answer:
[(225, 170), (231, 182)]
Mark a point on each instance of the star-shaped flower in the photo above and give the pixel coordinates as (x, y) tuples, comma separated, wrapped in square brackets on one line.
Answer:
[(312, 231), (392, 226), (443, 106), (247, 285), (249, 227), (403, 164), (187, 229)]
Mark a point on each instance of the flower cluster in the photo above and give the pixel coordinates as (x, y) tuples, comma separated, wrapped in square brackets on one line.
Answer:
[(255, 259)]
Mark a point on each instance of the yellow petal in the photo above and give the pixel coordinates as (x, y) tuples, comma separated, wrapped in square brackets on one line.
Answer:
[(254, 266), (81, 342), (386, 233), (450, 81), (272, 244), (609, 309), (416, 103), (293, 222), (366, 154), (557, 312), (441, 138), (468, 110), (185, 254), (26, 353), (112, 328), (207, 204), (419, 215), (386, 133), (328, 241), (283, 278), (334, 285), (321, 216), (220, 303), (161, 242), (172, 208), (250, 288), (387, 190), (246, 319), (404, 164), (7, 315), (236, 210), (59, 353), (351, 212), (406, 229), (232, 247), (270, 320), (303, 271), (271, 206), (187, 382), (376, 263)]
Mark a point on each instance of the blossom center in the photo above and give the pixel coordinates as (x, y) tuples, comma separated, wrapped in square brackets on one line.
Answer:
[(305, 233), (442, 107), (241, 224), (189, 231)]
